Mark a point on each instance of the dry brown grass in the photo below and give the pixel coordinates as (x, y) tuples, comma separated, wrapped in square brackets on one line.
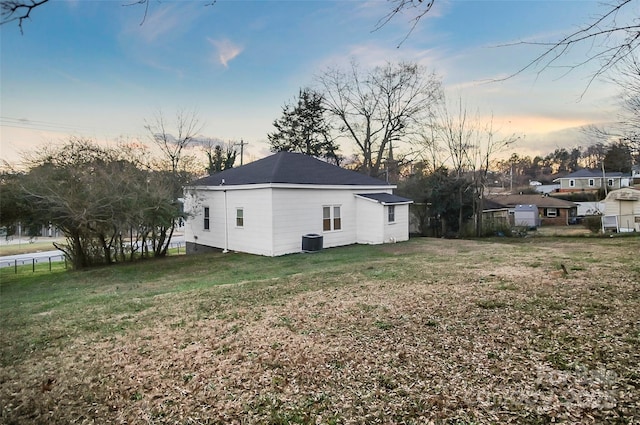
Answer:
[(431, 331)]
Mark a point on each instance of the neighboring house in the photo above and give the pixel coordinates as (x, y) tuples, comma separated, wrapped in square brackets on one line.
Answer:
[(268, 206), (551, 211), (622, 210), (592, 180)]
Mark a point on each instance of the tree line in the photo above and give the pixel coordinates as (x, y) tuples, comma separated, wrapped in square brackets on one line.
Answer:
[(112, 204), (121, 204)]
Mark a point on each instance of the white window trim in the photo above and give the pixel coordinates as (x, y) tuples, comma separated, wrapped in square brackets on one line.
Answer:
[(572, 183), (238, 209), (332, 218), (206, 218), (555, 213), (592, 182), (389, 214)]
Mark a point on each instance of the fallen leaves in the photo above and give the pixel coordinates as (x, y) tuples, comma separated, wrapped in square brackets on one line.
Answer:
[(415, 338)]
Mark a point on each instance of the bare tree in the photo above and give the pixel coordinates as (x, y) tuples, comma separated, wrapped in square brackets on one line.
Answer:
[(628, 80), (468, 146), (173, 141), (380, 107)]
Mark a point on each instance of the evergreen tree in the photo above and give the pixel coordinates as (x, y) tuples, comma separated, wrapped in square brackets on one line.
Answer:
[(303, 128)]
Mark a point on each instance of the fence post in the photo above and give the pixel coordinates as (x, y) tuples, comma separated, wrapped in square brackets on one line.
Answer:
[(15, 266), (33, 265), (49, 263)]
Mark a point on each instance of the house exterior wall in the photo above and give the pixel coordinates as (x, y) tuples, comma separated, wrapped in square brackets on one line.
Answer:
[(275, 219), (370, 225), (397, 231), (298, 212), (253, 237), (562, 218), (582, 184)]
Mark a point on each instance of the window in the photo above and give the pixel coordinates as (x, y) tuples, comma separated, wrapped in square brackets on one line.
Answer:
[(610, 182), (239, 217), (592, 182), (331, 218), (572, 183), (551, 212), (206, 218), (392, 213)]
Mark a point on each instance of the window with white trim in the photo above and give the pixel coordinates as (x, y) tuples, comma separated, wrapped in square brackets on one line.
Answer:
[(610, 182), (331, 218), (572, 183), (551, 212), (592, 182), (239, 217), (206, 222), (391, 213)]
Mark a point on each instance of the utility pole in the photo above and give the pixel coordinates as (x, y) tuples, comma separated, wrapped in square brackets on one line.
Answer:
[(241, 144)]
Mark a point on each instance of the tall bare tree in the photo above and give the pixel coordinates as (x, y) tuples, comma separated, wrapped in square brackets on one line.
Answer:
[(468, 146), (173, 137), (377, 108), (172, 142)]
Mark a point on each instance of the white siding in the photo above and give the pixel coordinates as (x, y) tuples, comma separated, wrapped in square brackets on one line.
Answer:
[(298, 212), (626, 211), (397, 231), (254, 237), (371, 220), (276, 219)]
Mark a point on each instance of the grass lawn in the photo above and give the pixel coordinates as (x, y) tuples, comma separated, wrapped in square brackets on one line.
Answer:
[(447, 331)]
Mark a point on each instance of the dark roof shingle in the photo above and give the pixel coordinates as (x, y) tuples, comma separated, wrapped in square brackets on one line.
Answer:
[(386, 198), (538, 200), (292, 168)]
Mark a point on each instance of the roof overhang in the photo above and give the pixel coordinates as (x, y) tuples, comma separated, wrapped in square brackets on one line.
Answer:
[(222, 187), (384, 198)]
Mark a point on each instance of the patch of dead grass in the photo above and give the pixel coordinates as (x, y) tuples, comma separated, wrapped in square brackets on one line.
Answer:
[(442, 331)]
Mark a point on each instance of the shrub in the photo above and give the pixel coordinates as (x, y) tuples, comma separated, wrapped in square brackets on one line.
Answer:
[(593, 223)]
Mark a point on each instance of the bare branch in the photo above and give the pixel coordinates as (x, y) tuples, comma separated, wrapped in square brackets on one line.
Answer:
[(602, 30), (422, 6), (18, 10)]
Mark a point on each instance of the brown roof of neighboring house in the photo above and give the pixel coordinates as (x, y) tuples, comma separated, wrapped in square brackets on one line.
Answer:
[(540, 201)]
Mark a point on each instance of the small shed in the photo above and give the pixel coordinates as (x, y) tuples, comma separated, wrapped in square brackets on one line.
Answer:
[(526, 215), (622, 210)]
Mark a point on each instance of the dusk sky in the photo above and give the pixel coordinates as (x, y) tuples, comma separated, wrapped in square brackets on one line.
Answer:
[(95, 69)]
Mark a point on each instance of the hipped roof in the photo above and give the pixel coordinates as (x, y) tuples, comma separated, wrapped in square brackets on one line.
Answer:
[(538, 200), (289, 168)]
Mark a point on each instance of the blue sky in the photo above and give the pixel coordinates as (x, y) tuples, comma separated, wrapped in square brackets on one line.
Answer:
[(94, 69)]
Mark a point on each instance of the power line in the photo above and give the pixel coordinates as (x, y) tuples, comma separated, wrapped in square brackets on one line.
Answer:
[(39, 125)]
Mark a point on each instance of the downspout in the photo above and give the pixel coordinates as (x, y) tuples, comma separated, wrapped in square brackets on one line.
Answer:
[(226, 225), (226, 222)]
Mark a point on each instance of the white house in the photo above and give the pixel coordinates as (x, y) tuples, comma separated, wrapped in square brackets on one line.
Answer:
[(268, 206), (622, 210)]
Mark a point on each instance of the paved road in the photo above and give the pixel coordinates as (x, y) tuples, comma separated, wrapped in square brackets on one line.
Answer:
[(54, 255), (39, 257)]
